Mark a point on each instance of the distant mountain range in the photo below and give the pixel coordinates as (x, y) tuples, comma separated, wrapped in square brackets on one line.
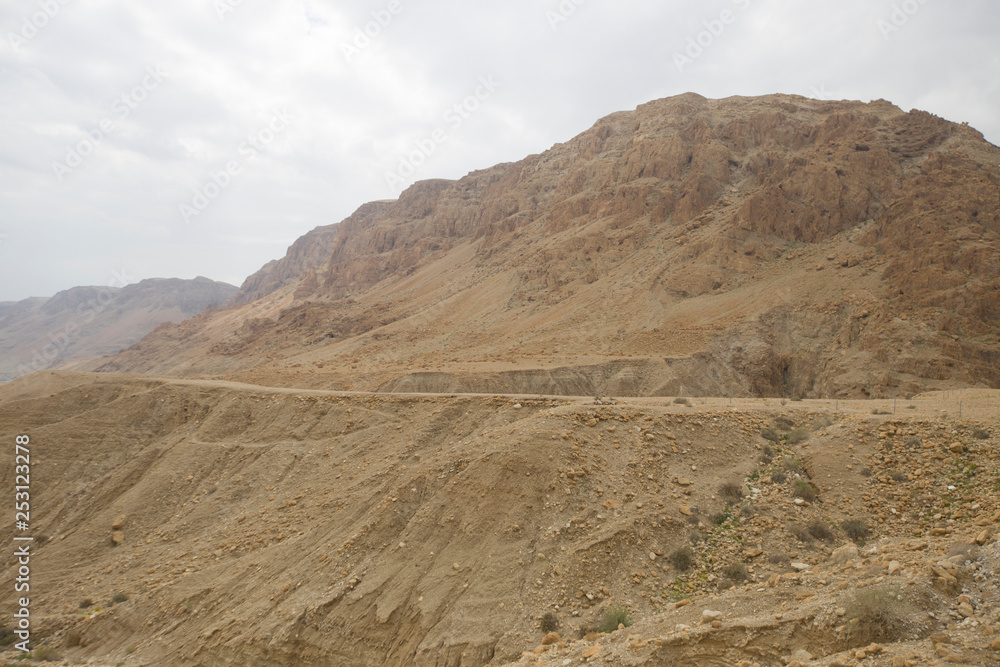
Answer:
[(86, 322)]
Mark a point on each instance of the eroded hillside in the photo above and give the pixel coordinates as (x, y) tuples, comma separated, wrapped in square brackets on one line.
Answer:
[(246, 525)]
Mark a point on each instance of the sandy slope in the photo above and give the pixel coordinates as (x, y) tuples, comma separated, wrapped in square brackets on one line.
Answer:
[(274, 526)]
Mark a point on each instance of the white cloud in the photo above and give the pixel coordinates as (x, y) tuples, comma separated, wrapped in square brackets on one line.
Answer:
[(226, 77)]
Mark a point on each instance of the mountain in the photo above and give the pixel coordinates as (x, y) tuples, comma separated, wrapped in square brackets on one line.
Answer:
[(772, 246), (85, 322)]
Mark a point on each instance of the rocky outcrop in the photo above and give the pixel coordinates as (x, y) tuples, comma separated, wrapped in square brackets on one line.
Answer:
[(789, 245)]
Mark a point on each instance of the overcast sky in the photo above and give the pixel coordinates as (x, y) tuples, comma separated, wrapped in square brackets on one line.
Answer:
[(202, 137)]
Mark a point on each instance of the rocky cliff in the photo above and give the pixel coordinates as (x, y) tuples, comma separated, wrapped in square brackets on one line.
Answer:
[(750, 246)]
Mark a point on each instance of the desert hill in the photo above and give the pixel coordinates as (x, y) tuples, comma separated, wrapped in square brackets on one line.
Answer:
[(85, 322), (773, 246), (194, 522)]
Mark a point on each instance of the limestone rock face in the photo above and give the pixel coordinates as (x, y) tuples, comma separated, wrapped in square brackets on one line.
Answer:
[(755, 246)]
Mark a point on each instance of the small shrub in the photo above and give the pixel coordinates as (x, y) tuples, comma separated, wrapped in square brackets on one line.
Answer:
[(784, 423), (980, 434), (720, 518), (736, 571), (779, 477), (45, 653), (695, 537), (797, 435), (118, 598), (683, 559), (7, 636), (549, 623), (747, 511), (856, 530), (778, 558), (796, 399), (804, 490), (770, 434), (875, 615), (800, 532), (911, 407), (730, 491), (866, 472), (86, 603), (614, 617), (821, 531), (587, 630), (680, 400), (792, 465), (913, 443), (898, 477)]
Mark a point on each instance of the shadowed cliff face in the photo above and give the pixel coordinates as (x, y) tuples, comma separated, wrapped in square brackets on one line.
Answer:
[(773, 245)]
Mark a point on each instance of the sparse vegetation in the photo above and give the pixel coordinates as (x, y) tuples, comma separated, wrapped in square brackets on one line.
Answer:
[(770, 434), (800, 532), (683, 559), (778, 558), (680, 400), (118, 598), (980, 434), (898, 476), (778, 477), (792, 464), (804, 490), (549, 622), (614, 617), (856, 530), (736, 571), (720, 518), (731, 492), (866, 472), (7, 636), (695, 537), (45, 653), (875, 615), (797, 435), (821, 531), (86, 603)]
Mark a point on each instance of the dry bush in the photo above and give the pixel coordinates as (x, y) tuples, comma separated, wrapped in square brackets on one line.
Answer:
[(821, 531), (614, 617), (804, 490), (797, 435), (875, 615), (856, 529), (800, 532), (736, 571), (683, 559), (549, 622), (779, 477), (731, 491)]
